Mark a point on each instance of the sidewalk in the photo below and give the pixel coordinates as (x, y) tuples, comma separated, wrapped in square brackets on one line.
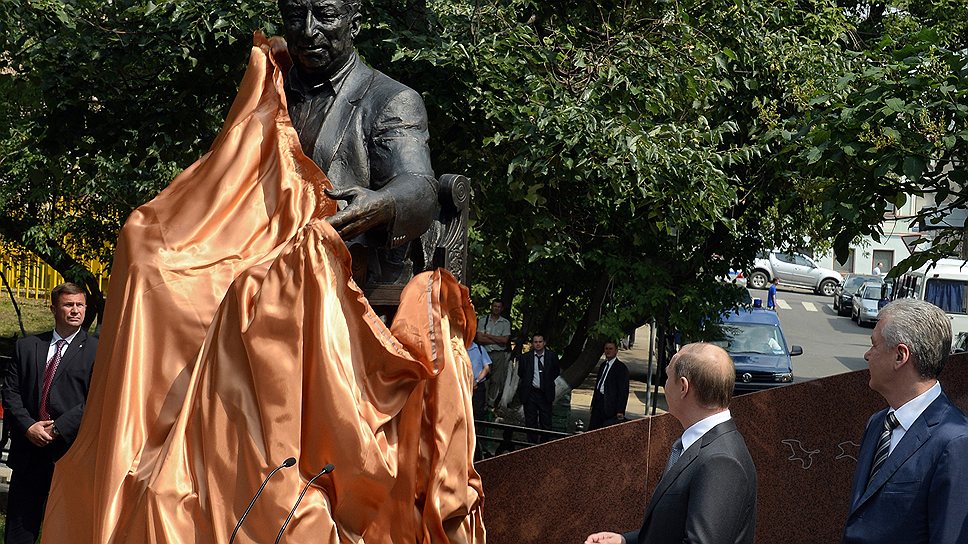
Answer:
[(637, 359)]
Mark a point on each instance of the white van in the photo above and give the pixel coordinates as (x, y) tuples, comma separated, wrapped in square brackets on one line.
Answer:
[(944, 284)]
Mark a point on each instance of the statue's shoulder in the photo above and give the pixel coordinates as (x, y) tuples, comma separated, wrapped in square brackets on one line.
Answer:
[(382, 88)]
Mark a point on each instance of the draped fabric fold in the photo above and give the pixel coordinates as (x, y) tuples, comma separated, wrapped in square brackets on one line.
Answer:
[(234, 337)]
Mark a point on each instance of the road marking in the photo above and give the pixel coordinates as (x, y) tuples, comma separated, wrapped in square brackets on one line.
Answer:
[(782, 304), (809, 306)]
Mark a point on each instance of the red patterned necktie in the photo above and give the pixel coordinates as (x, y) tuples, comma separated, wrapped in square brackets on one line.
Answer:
[(49, 377)]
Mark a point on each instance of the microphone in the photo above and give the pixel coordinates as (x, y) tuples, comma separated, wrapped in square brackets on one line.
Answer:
[(285, 464), (326, 470)]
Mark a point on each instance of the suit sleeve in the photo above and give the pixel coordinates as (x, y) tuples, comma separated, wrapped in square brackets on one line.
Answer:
[(948, 506), (400, 165), (623, 391), (717, 511), (13, 404), (70, 421)]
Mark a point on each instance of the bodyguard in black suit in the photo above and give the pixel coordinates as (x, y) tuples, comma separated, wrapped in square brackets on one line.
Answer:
[(538, 370), (912, 468), (45, 389), (611, 394), (708, 491)]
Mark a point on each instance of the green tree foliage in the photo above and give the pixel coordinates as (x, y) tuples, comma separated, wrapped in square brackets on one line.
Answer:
[(623, 154), (103, 103), (896, 124)]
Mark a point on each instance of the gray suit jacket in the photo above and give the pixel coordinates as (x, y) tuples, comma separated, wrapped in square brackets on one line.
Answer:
[(708, 496), (375, 136)]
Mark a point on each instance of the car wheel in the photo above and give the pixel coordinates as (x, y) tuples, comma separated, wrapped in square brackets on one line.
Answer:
[(758, 280), (827, 288)]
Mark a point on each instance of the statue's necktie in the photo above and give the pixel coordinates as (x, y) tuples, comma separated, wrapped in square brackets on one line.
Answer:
[(49, 377)]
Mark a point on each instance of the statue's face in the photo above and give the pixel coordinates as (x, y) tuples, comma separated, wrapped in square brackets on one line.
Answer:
[(319, 34)]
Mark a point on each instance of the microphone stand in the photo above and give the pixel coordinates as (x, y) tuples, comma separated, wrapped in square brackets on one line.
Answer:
[(285, 464), (327, 469)]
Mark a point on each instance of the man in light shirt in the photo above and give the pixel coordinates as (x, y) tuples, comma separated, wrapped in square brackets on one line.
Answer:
[(912, 469), (708, 491)]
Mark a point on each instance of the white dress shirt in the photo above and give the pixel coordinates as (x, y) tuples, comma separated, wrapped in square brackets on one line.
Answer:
[(701, 427), (908, 413)]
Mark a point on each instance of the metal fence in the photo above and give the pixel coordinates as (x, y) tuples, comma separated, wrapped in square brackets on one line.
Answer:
[(31, 278)]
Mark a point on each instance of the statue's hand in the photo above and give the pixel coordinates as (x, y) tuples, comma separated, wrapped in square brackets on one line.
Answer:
[(365, 210)]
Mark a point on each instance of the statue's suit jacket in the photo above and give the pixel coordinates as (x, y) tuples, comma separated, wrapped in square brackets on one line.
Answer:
[(708, 496), (375, 136), (919, 494), (24, 380)]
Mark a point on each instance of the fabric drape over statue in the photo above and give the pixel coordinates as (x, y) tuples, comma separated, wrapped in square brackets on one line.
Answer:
[(234, 337)]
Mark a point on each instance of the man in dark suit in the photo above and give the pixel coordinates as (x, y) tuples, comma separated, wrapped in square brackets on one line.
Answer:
[(538, 370), (367, 132), (611, 394), (912, 468), (708, 491), (45, 388)]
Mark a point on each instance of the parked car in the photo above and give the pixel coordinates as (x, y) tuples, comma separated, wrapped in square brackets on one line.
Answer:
[(866, 302), (844, 294), (793, 269), (754, 339)]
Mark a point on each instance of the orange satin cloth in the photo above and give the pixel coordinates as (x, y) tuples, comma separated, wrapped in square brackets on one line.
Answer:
[(234, 337)]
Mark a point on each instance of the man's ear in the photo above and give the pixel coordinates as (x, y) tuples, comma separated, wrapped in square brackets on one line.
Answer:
[(902, 355), (685, 385)]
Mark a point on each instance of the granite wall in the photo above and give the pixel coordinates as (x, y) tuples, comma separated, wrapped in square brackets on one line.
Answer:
[(803, 437)]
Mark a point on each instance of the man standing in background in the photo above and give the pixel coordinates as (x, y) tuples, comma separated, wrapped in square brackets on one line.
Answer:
[(538, 370), (45, 389), (611, 394), (771, 295), (493, 332)]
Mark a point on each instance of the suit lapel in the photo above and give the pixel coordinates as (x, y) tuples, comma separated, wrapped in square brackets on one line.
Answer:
[(338, 118), (70, 355), (912, 441), (41, 347), (865, 457)]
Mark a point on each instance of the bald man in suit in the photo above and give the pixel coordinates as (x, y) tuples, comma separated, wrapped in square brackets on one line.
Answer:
[(708, 491), (45, 390)]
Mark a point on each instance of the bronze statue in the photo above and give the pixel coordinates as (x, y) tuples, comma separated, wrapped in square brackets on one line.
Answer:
[(366, 131)]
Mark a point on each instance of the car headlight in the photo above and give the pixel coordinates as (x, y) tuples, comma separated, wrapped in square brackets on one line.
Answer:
[(785, 377)]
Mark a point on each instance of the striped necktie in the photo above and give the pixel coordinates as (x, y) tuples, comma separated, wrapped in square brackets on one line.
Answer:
[(883, 444), (674, 455), (49, 378)]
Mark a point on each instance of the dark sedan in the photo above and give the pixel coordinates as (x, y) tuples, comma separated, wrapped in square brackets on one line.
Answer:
[(844, 295)]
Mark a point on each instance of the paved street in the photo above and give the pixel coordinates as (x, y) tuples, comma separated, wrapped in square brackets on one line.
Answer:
[(831, 345)]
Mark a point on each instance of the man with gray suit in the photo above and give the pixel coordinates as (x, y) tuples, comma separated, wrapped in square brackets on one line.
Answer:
[(708, 491), (366, 131), (912, 468)]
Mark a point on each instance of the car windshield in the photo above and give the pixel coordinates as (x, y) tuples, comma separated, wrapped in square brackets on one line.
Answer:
[(751, 338), (872, 292), (854, 283)]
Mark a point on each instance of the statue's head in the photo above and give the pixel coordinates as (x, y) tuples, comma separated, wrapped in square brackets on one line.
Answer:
[(320, 33)]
